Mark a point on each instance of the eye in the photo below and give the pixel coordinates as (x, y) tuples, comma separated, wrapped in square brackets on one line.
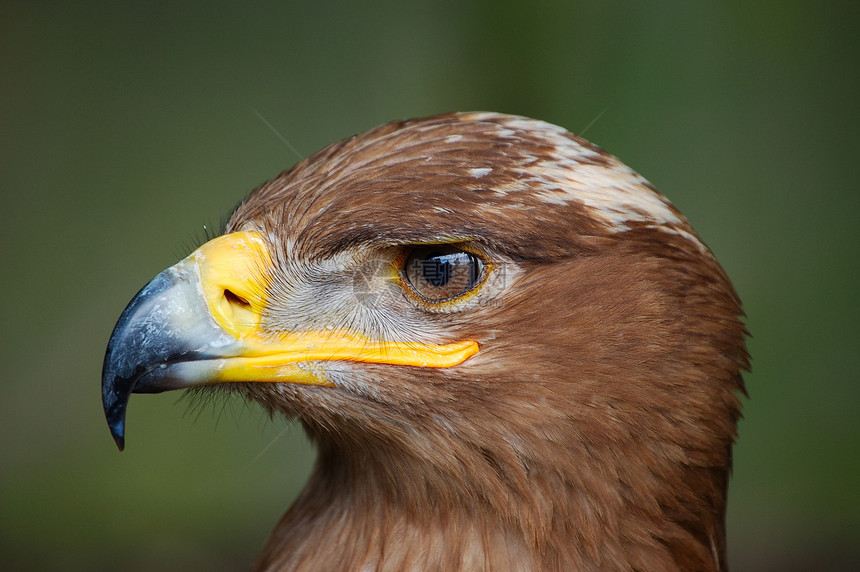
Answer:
[(440, 273)]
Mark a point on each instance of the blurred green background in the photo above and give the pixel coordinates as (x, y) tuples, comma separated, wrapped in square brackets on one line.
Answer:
[(127, 127)]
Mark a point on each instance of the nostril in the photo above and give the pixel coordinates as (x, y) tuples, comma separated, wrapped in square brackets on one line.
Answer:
[(238, 312), (236, 300)]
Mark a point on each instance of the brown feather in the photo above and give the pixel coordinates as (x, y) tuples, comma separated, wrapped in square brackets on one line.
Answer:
[(593, 430)]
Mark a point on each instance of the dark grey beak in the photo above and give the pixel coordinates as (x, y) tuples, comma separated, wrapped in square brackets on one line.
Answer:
[(162, 341)]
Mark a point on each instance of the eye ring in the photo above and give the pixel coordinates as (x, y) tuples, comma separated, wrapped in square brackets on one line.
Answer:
[(437, 274)]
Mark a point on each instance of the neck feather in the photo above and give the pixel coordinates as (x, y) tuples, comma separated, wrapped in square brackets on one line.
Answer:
[(512, 504)]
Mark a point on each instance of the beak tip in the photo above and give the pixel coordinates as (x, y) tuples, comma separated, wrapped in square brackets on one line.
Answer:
[(117, 431), (115, 416)]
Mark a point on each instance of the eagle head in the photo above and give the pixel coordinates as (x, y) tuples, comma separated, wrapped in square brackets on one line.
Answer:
[(510, 350)]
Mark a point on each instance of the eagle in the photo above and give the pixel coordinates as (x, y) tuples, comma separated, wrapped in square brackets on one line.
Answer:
[(509, 350)]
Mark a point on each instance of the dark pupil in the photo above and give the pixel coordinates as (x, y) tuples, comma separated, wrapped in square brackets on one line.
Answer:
[(442, 273), (436, 268)]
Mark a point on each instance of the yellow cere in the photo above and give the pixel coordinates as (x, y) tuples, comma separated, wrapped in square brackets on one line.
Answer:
[(234, 276)]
